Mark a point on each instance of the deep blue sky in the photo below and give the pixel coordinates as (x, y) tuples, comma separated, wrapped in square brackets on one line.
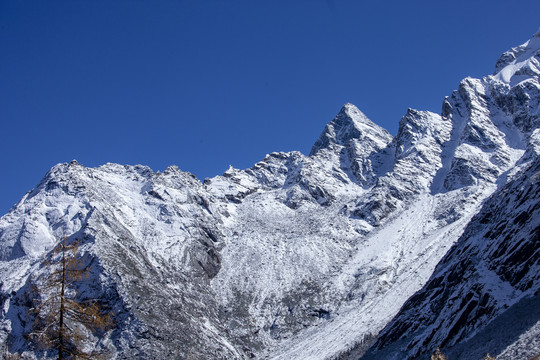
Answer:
[(204, 84)]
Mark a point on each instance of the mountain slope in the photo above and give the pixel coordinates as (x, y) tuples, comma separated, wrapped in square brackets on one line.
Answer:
[(491, 273)]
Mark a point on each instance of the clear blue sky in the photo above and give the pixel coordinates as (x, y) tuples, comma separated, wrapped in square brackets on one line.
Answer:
[(204, 84)]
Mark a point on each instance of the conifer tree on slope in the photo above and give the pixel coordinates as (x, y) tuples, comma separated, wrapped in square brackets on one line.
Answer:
[(62, 320)]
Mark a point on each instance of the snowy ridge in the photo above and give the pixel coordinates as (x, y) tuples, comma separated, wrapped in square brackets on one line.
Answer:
[(519, 63), (304, 256)]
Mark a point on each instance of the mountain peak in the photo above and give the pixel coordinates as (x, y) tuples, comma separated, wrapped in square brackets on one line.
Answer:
[(522, 61), (351, 112), (349, 123)]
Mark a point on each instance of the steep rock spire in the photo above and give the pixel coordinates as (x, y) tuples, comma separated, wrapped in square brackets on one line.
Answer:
[(350, 123)]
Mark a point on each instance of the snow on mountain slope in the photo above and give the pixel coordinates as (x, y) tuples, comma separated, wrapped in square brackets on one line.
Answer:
[(394, 262), (296, 257), (484, 295), (153, 246)]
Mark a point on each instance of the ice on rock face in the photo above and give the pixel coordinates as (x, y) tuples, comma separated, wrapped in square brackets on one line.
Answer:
[(301, 256)]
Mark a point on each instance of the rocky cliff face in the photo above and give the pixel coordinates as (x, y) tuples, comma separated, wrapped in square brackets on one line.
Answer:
[(304, 256)]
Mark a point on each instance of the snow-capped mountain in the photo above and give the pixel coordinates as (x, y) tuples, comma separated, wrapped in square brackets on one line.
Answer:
[(308, 257), (484, 294)]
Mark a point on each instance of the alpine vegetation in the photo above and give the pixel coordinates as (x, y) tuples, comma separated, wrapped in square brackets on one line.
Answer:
[(62, 320), (373, 246)]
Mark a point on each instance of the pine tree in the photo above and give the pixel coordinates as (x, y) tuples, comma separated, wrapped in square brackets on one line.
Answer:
[(62, 320)]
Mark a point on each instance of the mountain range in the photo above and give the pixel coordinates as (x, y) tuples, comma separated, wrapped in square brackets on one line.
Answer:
[(373, 246)]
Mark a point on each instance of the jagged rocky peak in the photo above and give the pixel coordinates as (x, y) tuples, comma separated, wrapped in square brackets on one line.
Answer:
[(351, 124), (492, 118), (523, 61), (419, 128)]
